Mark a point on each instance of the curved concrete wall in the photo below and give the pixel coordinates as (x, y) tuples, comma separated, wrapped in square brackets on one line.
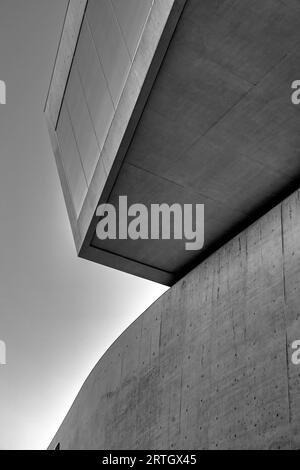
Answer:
[(209, 364)]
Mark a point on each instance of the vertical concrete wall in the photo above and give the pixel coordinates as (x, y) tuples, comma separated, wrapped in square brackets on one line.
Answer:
[(207, 366), (103, 58), (108, 58)]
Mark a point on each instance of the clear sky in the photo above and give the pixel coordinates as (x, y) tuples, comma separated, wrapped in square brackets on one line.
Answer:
[(58, 314)]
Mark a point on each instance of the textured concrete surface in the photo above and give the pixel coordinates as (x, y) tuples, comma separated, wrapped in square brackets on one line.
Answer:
[(208, 365)]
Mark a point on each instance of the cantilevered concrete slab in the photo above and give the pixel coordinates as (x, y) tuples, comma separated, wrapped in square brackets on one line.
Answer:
[(194, 108)]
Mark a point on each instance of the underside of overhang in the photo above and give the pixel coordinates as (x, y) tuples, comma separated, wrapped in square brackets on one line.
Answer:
[(218, 128)]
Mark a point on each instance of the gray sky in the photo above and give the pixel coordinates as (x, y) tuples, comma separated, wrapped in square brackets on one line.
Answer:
[(58, 314)]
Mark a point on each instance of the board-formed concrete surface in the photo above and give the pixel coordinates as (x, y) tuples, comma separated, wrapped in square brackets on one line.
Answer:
[(208, 365)]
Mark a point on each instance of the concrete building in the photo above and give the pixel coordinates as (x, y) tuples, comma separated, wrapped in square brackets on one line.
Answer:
[(187, 101)]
